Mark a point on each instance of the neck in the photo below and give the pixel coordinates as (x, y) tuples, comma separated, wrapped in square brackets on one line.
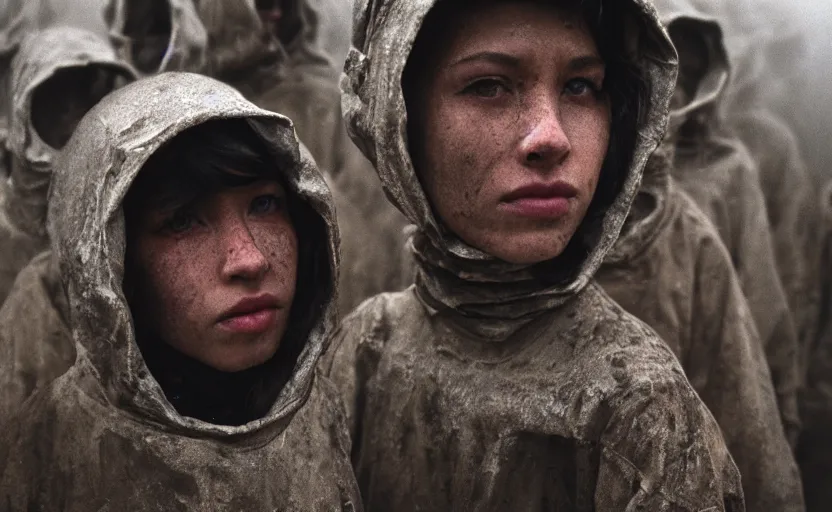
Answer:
[(199, 391), (491, 299)]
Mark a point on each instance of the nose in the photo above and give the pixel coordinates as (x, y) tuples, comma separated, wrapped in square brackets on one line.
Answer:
[(243, 261), (545, 145)]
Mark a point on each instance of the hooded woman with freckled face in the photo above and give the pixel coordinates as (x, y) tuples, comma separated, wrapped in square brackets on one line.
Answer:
[(513, 134), (197, 251), (714, 167)]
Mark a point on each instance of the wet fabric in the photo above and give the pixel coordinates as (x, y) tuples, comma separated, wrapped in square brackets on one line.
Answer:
[(671, 270), (103, 434), (36, 344), (56, 76), (159, 35), (483, 387), (792, 204), (716, 170), (814, 453)]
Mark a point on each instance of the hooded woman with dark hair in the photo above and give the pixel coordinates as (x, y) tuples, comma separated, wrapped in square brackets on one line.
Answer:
[(513, 134), (197, 250)]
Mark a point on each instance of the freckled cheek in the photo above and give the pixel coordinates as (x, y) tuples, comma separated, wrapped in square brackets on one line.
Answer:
[(279, 243), (181, 282), (463, 149), (588, 131)]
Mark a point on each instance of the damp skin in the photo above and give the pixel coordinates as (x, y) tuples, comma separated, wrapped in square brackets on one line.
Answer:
[(514, 125), (216, 279)]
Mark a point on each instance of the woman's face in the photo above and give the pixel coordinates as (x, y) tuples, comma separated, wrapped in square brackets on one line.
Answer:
[(514, 128), (216, 279)]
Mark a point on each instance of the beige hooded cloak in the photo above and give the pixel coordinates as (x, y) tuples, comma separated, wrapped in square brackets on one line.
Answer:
[(103, 436), (487, 387), (670, 269), (42, 115)]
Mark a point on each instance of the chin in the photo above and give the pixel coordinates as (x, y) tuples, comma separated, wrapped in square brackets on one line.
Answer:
[(528, 249), (243, 357)]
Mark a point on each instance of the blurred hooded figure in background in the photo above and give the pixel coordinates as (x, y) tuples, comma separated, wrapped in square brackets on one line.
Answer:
[(56, 76), (716, 170), (514, 134), (286, 56), (814, 454), (780, 58), (792, 204), (175, 199), (670, 269), (158, 35)]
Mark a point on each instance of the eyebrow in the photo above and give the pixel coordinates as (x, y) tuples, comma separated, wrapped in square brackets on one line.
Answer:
[(495, 57), (586, 62), (576, 64)]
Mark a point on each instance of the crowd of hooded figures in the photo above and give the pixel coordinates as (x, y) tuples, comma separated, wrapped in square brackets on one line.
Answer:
[(407, 255)]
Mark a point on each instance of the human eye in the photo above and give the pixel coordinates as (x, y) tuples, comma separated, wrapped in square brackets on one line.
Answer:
[(265, 204), (487, 88), (181, 221), (582, 86)]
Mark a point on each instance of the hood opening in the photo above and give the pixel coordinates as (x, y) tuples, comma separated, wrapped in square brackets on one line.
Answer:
[(238, 39), (703, 77), (59, 103), (281, 18), (195, 389), (148, 25)]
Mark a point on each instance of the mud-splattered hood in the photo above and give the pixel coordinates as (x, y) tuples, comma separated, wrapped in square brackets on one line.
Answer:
[(185, 40), (702, 107), (41, 56), (86, 223), (496, 297)]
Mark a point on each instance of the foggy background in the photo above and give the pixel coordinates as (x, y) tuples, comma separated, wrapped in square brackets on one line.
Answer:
[(781, 54)]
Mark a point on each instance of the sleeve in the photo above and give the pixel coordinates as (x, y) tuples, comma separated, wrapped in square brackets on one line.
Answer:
[(814, 452), (791, 202), (36, 346), (760, 283), (352, 359), (727, 367), (662, 451), (16, 250)]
